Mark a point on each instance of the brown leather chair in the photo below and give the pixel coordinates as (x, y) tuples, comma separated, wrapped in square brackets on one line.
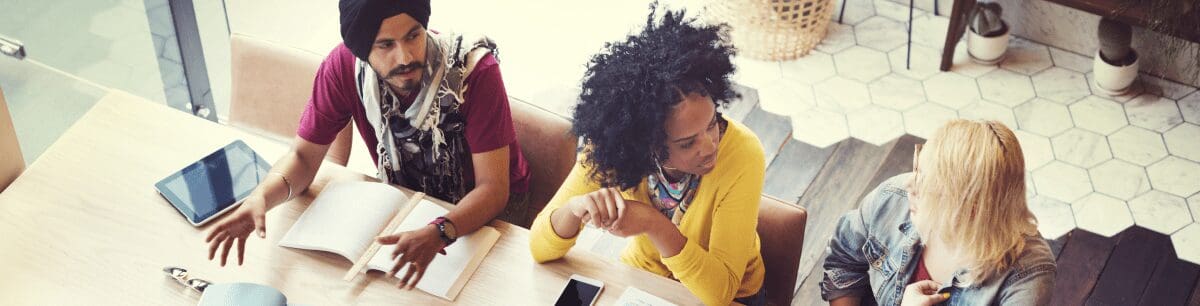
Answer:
[(549, 146), (271, 84), (11, 161), (781, 231)]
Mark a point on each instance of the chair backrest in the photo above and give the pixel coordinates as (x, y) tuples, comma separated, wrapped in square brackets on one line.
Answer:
[(781, 231), (271, 84), (548, 145), (11, 161)]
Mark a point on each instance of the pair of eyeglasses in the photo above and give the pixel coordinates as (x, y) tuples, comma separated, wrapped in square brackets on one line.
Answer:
[(181, 275)]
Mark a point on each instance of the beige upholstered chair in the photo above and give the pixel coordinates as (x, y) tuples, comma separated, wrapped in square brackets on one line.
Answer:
[(781, 231), (548, 145), (271, 85), (11, 161)]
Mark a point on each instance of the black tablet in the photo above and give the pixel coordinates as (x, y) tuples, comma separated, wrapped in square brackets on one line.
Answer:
[(215, 184)]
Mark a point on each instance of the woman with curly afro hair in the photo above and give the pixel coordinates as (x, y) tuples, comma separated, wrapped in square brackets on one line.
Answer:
[(660, 164)]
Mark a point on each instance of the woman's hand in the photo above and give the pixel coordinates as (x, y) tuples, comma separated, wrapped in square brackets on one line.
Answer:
[(923, 293), (601, 207), (635, 219), (236, 227)]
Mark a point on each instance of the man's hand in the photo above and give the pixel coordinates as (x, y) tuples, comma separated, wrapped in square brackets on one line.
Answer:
[(923, 293), (636, 218), (416, 249), (236, 227)]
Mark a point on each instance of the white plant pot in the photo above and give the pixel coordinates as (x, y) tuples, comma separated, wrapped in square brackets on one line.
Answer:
[(987, 50), (1114, 80)]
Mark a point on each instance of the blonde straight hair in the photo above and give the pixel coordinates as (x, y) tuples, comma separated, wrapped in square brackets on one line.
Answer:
[(972, 190)]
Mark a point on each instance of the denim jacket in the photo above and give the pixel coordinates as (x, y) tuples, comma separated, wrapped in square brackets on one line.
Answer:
[(876, 248)]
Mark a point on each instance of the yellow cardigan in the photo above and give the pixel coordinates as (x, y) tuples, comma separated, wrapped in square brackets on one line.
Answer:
[(718, 263)]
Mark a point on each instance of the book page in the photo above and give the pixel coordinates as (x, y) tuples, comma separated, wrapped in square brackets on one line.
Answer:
[(446, 274), (636, 297), (345, 218)]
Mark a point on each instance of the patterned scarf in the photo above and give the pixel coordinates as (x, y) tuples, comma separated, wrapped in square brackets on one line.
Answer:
[(424, 146)]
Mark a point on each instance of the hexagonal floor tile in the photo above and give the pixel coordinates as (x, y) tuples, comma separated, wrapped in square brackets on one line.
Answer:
[(1043, 117), (951, 90), (1194, 204), (755, 73), (785, 97), (930, 30), (838, 37), (1026, 57), (819, 128), (1035, 148), (1175, 175), (984, 110), (895, 11), (1190, 106), (880, 33), (1054, 217), (1098, 115), (1184, 141), (1137, 145), (1102, 215), (841, 95), (861, 63), (1005, 87), (1153, 113), (875, 125), (922, 64), (1081, 148), (1062, 181), (1187, 243), (1120, 179), (962, 63), (1071, 60), (1061, 85), (856, 11), (1160, 212), (923, 120), (896, 92), (809, 69), (1169, 89)]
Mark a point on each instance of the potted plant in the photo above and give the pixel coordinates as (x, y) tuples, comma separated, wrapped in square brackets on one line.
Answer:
[(988, 38), (1115, 64)]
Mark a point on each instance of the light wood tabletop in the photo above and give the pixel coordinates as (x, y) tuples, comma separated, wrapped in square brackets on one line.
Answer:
[(84, 225)]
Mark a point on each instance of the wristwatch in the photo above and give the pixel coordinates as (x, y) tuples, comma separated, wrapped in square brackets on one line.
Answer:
[(446, 227)]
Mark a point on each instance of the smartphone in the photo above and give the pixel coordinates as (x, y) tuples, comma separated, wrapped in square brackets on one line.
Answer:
[(580, 291)]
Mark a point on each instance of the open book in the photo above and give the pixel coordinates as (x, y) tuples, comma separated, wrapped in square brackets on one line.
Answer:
[(346, 217)]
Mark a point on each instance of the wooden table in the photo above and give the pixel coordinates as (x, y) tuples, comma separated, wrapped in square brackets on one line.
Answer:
[(84, 225)]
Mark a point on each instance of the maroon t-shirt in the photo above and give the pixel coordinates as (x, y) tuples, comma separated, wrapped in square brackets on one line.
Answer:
[(489, 124)]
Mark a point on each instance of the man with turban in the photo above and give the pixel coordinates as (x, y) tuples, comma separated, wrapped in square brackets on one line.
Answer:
[(433, 109)]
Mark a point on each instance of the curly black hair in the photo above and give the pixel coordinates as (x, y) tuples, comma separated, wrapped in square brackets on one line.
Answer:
[(631, 88)]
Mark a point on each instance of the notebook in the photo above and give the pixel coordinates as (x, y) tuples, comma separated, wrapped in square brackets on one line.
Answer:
[(346, 217)]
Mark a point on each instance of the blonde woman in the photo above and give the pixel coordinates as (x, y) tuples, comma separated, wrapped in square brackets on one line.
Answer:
[(956, 230)]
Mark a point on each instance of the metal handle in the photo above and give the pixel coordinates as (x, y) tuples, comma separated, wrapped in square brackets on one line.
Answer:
[(12, 48)]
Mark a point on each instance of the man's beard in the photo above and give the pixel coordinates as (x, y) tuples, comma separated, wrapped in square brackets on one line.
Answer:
[(406, 87)]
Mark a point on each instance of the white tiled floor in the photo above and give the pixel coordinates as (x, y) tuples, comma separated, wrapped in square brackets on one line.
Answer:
[(1097, 162), (1106, 158)]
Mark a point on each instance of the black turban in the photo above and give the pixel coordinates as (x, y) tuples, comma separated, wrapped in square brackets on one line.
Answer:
[(361, 20)]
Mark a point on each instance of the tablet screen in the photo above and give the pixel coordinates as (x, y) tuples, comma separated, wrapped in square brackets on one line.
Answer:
[(208, 187)]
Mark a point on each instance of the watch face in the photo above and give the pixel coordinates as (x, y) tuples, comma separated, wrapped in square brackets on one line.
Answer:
[(449, 229)]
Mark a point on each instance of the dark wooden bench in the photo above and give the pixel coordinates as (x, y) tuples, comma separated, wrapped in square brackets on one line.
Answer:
[(1135, 13)]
